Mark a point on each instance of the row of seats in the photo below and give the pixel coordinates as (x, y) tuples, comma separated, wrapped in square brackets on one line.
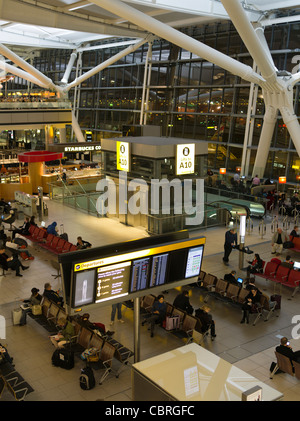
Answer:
[(188, 324), (50, 242), (284, 364), (14, 382), (107, 348), (282, 275), (233, 294)]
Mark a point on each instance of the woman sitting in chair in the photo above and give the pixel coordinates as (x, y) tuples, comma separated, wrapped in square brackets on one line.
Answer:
[(256, 266)]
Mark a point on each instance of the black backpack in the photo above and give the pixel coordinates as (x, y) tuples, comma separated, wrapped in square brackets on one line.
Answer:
[(87, 379)]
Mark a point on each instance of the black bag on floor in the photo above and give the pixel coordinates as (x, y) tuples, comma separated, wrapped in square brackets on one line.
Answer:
[(87, 379), (277, 298), (63, 358)]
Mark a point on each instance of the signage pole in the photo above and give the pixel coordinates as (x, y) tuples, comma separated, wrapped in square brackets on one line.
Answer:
[(242, 240), (136, 327)]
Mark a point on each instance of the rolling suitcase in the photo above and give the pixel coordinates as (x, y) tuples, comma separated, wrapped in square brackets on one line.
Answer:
[(16, 316), (63, 234), (277, 298), (63, 358)]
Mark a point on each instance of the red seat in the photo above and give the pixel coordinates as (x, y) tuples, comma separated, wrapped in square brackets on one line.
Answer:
[(35, 233), (60, 245), (269, 272), (54, 242), (73, 248), (282, 274), (49, 239), (42, 234), (31, 229), (293, 280), (66, 247)]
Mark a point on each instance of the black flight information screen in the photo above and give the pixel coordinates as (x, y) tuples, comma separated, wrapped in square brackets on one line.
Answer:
[(158, 270), (139, 275)]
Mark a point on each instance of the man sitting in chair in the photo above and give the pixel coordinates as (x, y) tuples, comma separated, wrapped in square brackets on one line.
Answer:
[(285, 349), (206, 320)]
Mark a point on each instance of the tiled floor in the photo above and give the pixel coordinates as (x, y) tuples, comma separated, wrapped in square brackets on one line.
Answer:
[(249, 347)]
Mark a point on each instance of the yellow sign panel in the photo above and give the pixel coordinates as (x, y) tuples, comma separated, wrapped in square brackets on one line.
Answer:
[(118, 258), (185, 159), (123, 156)]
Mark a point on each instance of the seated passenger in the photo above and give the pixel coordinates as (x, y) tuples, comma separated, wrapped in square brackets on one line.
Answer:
[(206, 320), (23, 229), (285, 349), (11, 262), (251, 300), (288, 263), (256, 265), (84, 321), (12, 244), (65, 335), (52, 295), (52, 229), (4, 355), (230, 277), (34, 299), (294, 232), (182, 302), (81, 244), (158, 314)]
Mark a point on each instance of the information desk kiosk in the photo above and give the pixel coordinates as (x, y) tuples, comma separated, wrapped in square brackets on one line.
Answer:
[(191, 373)]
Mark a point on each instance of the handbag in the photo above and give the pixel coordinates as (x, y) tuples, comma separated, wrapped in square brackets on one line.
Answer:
[(36, 309), (288, 245)]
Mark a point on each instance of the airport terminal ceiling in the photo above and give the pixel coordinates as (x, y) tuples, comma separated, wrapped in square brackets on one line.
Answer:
[(70, 24)]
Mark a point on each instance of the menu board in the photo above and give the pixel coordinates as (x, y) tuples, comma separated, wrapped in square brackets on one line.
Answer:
[(112, 281)]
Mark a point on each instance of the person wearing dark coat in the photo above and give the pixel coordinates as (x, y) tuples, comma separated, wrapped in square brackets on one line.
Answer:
[(285, 349), (252, 299), (230, 241), (23, 229), (11, 262), (206, 320), (51, 229), (182, 302), (52, 295), (158, 313), (230, 277)]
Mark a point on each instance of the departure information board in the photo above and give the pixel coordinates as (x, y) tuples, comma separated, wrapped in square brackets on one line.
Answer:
[(121, 275), (112, 281)]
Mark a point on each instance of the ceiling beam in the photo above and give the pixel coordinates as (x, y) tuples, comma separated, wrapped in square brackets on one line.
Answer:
[(27, 13)]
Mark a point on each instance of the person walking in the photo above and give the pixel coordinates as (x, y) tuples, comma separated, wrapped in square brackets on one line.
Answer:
[(230, 241)]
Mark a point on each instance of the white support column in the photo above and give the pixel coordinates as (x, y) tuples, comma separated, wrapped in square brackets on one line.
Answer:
[(265, 141), (255, 47), (20, 73), (77, 129), (69, 68), (44, 81), (144, 84), (105, 64), (248, 133), (148, 87), (291, 121), (182, 40)]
